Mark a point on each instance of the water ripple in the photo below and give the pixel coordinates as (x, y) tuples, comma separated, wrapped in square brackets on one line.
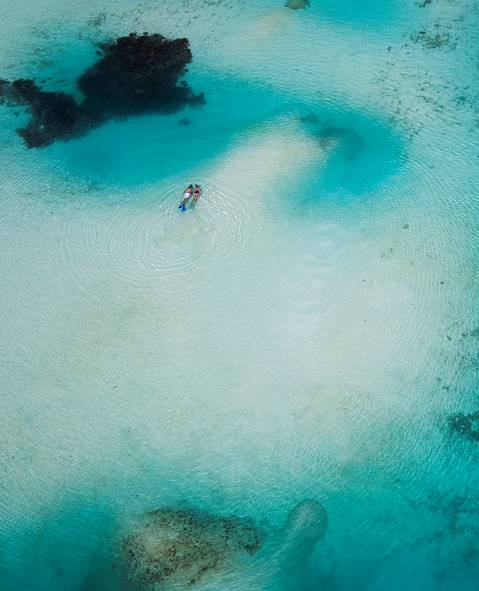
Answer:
[(141, 246)]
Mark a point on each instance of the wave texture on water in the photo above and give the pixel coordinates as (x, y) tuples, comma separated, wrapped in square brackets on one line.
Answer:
[(292, 363)]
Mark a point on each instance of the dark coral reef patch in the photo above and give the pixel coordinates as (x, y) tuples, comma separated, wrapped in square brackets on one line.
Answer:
[(466, 425), (182, 546), (297, 4), (54, 115), (135, 74)]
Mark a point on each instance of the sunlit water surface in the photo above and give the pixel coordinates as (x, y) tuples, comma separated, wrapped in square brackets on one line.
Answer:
[(307, 332)]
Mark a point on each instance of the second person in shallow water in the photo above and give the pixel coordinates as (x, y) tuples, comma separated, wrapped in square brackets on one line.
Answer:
[(188, 193), (196, 194)]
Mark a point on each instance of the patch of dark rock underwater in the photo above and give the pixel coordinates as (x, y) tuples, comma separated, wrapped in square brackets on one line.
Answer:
[(465, 425), (135, 74), (184, 546), (178, 548), (297, 4)]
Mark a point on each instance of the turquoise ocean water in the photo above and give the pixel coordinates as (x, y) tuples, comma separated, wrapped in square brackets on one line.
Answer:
[(309, 332)]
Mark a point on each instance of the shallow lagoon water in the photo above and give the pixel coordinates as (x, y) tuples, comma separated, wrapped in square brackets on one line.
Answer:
[(305, 334)]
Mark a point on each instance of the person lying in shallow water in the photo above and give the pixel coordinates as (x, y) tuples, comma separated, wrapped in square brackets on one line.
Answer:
[(187, 193), (196, 194)]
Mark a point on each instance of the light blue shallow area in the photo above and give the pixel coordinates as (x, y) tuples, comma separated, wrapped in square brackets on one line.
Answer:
[(142, 150), (378, 13), (309, 332)]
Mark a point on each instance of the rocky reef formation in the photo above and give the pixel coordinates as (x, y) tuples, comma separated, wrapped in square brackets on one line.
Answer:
[(135, 74), (297, 4), (434, 39), (54, 115), (466, 425), (138, 74), (180, 547)]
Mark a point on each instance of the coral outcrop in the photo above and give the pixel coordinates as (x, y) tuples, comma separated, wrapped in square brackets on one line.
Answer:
[(135, 74), (297, 4), (54, 115), (179, 547), (466, 425)]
